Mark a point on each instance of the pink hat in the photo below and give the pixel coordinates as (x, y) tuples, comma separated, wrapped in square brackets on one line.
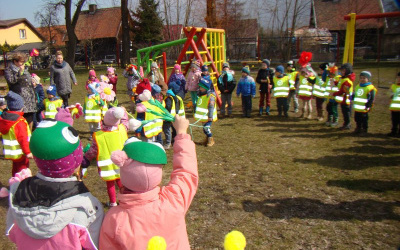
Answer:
[(113, 116), (177, 67), (63, 115), (92, 73), (110, 70)]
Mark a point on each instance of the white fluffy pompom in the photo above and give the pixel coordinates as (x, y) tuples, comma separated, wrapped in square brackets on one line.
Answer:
[(145, 96), (118, 113), (134, 124)]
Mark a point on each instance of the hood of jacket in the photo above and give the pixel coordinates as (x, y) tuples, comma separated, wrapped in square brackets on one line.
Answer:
[(8, 119), (42, 206)]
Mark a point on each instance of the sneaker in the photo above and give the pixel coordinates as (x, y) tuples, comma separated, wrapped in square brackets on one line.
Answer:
[(112, 204), (296, 110), (328, 123), (333, 124), (167, 146), (320, 119), (345, 127)]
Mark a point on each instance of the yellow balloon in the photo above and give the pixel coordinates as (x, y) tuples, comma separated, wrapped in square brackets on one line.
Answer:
[(235, 240), (157, 243)]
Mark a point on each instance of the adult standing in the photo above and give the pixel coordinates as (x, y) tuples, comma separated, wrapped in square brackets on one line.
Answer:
[(60, 75), (19, 81)]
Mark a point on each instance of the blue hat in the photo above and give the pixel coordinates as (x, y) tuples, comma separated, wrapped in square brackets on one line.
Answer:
[(204, 68), (52, 90), (280, 69), (174, 87), (246, 70), (205, 83), (15, 102), (155, 89), (267, 62)]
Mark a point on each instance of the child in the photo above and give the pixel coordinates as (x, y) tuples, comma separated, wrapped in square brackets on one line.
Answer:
[(93, 108), (206, 109), (133, 78), (16, 133), (342, 96), (3, 104), (247, 88), (145, 209), (112, 77), (174, 104), (226, 84), (111, 137), (281, 90), (364, 96), (39, 97), (306, 81), (53, 209), (264, 78), (155, 77), (319, 91), (92, 78), (293, 85), (331, 88), (179, 79), (395, 107), (51, 103), (192, 82)]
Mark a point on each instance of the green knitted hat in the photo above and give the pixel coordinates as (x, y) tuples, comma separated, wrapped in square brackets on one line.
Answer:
[(53, 140), (146, 152)]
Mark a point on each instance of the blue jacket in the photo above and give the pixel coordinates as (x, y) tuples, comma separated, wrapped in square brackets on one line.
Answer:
[(246, 86)]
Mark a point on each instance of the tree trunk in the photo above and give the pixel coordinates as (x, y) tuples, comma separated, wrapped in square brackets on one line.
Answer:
[(125, 55), (70, 25)]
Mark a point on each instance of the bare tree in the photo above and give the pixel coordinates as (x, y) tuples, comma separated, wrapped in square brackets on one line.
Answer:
[(48, 17)]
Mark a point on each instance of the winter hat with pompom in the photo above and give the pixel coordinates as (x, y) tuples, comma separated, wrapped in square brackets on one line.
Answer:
[(110, 70), (140, 164), (177, 67), (143, 85), (63, 115), (56, 149), (113, 116)]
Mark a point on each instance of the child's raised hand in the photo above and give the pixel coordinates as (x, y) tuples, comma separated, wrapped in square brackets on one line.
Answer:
[(180, 124)]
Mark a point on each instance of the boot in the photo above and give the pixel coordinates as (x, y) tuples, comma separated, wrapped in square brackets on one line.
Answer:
[(320, 115), (210, 141), (260, 112), (267, 110), (205, 142), (248, 113)]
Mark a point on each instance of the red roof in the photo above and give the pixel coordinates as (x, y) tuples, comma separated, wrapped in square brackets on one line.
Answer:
[(329, 13), (172, 32), (58, 33)]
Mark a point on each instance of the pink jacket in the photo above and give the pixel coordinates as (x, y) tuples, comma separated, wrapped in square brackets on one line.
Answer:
[(192, 81), (159, 212)]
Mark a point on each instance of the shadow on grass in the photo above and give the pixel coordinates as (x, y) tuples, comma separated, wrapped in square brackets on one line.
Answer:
[(390, 141), (304, 208), (4, 202), (368, 149), (339, 133), (365, 185), (352, 162)]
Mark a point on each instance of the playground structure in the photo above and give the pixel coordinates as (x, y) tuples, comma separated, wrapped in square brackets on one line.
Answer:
[(206, 45), (348, 55)]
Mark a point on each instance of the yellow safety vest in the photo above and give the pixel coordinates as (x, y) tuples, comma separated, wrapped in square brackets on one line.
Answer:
[(305, 88), (11, 147), (181, 111), (339, 99), (395, 102), (201, 112), (281, 86), (331, 87), (108, 142), (154, 127), (319, 89), (50, 107), (361, 97), (292, 79), (92, 110)]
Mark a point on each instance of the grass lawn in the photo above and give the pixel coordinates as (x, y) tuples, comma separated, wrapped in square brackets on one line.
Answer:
[(285, 183)]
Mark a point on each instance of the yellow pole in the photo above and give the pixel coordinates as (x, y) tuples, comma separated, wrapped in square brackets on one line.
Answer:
[(348, 52)]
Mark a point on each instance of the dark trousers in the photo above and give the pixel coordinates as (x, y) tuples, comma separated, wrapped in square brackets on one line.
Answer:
[(395, 122), (265, 97), (207, 129), (319, 103), (346, 114), (331, 108), (361, 120), (282, 103), (65, 99), (246, 105)]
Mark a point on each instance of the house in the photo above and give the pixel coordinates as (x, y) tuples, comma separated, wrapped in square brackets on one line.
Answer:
[(55, 35), (18, 31)]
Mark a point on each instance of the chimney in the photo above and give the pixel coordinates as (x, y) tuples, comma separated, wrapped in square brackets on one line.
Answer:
[(92, 8)]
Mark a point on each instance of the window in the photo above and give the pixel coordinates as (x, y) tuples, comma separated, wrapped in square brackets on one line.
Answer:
[(22, 34)]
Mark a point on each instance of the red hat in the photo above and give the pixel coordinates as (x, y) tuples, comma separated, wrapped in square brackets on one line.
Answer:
[(143, 84)]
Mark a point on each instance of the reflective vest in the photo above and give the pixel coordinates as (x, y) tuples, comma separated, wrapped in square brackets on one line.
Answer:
[(292, 80), (92, 110), (319, 89), (181, 111), (305, 88), (50, 107), (201, 112), (331, 87), (107, 142), (11, 146), (361, 98), (339, 99), (154, 127), (395, 103), (281, 86)]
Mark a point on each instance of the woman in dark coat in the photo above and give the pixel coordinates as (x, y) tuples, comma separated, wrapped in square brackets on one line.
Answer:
[(19, 80)]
